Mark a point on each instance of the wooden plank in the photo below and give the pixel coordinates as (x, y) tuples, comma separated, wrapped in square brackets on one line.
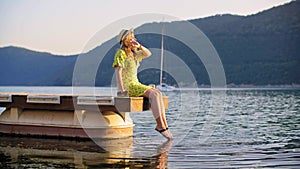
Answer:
[(166, 102), (146, 103), (21, 102), (48, 99), (95, 100), (129, 104), (5, 98), (104, 103), (107, 133)]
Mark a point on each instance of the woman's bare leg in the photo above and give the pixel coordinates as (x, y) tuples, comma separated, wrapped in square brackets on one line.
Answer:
[(157, 108), (162, 107), (163, 111)]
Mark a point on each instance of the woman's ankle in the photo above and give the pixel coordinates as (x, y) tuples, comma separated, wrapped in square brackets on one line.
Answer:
[(160, 127)]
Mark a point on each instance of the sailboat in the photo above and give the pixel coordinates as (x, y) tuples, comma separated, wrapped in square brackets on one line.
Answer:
[(163, 86)]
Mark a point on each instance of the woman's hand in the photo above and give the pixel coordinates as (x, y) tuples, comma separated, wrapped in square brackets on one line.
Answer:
[(122, 93), (133, 43)]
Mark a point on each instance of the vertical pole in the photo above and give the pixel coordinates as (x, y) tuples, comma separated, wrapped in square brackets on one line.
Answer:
[(162, 54)]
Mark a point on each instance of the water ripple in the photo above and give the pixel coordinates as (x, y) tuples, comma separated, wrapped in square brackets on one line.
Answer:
[(257, 129)]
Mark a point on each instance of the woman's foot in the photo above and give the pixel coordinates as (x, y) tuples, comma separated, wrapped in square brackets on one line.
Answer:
[(165, 133), (169, 132)]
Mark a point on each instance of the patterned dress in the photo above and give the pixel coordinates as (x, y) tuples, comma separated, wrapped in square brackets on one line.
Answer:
[(129, 73)]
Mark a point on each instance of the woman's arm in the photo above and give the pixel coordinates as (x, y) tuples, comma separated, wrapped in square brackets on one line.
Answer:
[(122, 91), (146, 52), (143, 52)]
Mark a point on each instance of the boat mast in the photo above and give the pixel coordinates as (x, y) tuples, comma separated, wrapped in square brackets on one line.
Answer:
[(162, 54)]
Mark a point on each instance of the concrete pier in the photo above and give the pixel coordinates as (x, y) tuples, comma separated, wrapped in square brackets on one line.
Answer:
[(69, 115)]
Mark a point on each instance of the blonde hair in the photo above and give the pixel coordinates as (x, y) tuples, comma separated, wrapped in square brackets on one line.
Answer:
[(127, 49)]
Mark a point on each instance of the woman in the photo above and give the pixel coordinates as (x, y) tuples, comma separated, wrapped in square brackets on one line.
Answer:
[(126, 62)]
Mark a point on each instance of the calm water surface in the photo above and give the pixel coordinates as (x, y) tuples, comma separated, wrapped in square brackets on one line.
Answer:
[(251, 128)]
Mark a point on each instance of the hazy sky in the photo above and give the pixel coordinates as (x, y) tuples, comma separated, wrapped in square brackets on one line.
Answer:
[(65, 26)]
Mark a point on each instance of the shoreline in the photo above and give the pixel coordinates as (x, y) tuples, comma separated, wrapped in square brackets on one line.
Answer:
[(200, 87)]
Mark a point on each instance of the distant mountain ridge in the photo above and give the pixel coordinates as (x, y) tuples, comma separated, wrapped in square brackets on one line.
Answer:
[(20, 66), (260, 49)]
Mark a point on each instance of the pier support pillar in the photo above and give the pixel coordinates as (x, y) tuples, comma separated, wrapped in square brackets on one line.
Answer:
[(78, 117), (15, 113)]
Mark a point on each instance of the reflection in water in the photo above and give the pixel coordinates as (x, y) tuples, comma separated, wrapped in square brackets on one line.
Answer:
[(258, 129), (16, 152), (163, 154)]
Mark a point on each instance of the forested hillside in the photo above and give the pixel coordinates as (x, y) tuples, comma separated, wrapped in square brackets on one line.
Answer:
[(260, 49)]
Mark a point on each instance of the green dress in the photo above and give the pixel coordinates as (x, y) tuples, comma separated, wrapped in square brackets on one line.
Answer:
[(129, 73)]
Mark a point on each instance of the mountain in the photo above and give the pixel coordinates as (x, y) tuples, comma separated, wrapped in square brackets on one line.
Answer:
[(259, 49), (19, 66)]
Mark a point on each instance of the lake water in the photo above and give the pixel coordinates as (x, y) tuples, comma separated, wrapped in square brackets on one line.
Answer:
[(248, 128)]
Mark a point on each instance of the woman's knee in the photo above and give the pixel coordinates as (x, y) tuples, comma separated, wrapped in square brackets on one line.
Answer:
[(158, 92), (155, 93), (148, 93)]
